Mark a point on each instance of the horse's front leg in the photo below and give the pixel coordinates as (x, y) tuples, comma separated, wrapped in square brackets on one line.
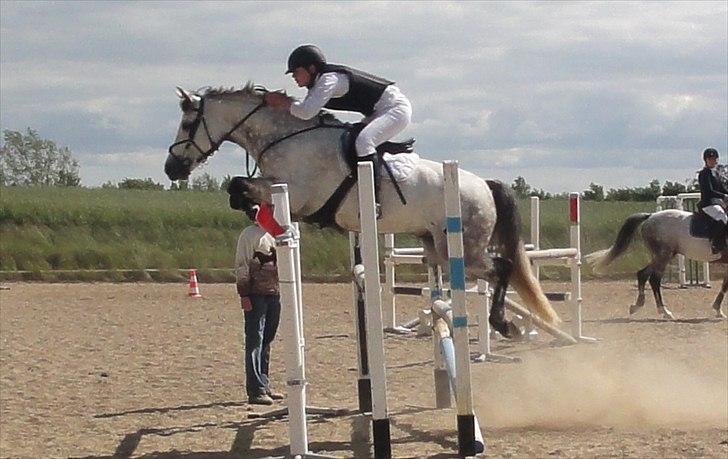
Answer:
[(655, 282), (719, 299), (501, 273)]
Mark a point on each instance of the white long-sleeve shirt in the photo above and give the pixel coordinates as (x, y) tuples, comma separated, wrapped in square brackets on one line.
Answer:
[(327, 86)]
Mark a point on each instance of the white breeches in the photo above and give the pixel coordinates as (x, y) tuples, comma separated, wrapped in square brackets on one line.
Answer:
[(392, 113), (716, 212)]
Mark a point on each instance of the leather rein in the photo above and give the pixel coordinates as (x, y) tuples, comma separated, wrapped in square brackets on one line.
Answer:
[(215, 145)]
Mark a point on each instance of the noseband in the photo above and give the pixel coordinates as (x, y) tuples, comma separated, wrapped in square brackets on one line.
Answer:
[(214, 145)]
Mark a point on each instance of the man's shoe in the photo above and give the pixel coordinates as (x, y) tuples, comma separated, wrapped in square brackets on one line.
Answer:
[(276, 395), (262, 399)]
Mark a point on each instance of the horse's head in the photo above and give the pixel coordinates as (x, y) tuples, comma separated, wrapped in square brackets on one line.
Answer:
[(193, 141), (206, 123)]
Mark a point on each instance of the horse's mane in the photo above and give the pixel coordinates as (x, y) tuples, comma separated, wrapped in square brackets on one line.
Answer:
[(256, 90), (249, 89)]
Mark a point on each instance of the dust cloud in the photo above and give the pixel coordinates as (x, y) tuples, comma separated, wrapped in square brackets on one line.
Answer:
[(589, 386)]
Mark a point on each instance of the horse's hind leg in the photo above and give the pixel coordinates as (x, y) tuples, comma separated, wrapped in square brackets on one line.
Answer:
[(642, 276), (719, 299), (502, 272), (658, 267)]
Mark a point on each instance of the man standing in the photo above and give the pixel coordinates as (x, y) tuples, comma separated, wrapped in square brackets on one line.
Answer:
[(256, 276)]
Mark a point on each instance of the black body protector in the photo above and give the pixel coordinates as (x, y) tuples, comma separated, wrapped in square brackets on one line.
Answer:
[(713, 192), (365, 90)]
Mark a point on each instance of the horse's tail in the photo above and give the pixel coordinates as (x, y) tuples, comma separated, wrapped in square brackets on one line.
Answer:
[(600, 259), (507, 233)]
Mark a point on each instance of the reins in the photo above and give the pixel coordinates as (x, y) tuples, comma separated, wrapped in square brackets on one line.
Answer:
[(215, 145), (321, 124)]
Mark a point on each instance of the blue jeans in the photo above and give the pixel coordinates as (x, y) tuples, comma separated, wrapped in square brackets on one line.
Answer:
[(261, 324)]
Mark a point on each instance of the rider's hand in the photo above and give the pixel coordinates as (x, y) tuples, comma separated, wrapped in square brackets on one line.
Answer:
[(246, 304), (277, 100)]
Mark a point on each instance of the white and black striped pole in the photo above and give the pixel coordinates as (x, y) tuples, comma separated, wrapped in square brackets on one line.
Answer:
[(368, 239), (364, 383), (454, 225)]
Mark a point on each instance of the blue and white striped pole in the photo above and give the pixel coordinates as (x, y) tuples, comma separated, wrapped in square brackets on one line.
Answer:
[(464, 396)]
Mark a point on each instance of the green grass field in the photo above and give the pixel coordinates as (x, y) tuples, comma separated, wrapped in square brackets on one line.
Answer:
[(44, 229)]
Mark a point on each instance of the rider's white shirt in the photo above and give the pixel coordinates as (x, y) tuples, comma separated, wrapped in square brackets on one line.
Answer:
[(331, 85), (327, 86)]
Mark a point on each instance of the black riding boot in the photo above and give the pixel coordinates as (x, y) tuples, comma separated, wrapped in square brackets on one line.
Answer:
[(718, 237), (376, 166)]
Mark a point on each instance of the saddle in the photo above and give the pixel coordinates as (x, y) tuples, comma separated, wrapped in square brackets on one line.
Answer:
[(701, 225), (348, 145)]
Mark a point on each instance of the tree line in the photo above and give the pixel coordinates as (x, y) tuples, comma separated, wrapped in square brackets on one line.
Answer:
[(596, 192), (28, 159)]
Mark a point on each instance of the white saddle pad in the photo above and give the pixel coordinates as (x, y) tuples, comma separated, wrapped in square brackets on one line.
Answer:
[(402, 165)]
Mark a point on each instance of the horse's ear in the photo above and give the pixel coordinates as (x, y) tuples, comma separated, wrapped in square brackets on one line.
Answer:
[(184, 95)]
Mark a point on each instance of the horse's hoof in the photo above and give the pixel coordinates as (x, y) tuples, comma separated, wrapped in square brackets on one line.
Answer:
[(666, 314), (506, 329), (634, 308), (719, 314), (514, 332)]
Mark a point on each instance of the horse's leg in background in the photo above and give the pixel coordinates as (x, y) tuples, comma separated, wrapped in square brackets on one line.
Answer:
[(642, 276), (502, 269), (658, 268), (719, 299)]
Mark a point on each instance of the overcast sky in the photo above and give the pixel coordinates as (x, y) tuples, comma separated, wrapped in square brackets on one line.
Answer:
[(561, 93)]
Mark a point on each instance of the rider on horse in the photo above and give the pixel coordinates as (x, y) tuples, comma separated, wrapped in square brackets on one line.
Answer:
[(387, 111), (713, 196)]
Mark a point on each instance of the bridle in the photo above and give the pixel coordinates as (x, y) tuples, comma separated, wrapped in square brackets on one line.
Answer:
[(214, 145)]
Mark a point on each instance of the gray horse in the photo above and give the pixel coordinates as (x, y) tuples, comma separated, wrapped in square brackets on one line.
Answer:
[(308, 156), (665, 233)]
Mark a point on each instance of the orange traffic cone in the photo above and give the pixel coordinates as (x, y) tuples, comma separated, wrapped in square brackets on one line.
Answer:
[(194, 289)]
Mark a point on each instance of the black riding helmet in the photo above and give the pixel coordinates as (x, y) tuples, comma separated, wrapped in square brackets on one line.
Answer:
[(710, 153), (305, 55)]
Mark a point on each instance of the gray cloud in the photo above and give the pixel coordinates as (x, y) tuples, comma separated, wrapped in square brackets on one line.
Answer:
[(599, 90)]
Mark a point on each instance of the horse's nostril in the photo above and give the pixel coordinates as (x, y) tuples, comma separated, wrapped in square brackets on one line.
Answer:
[(175, 168)]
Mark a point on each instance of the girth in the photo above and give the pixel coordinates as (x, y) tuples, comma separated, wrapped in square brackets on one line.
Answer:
[(326, 215)]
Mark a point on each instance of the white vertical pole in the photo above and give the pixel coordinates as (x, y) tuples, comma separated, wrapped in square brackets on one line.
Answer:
[(364, 383), (454, 225), (375, 333), (388, 297), (535, 230), (575, 236), (299, 292), (440, 374), (286, 250), (680, 257), (575, 220), (483, 324)]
